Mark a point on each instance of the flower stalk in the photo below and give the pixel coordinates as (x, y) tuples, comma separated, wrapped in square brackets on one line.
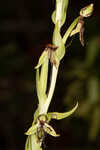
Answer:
[(51, 55)]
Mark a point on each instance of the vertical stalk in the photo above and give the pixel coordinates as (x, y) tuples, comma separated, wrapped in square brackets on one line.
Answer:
[(52, 86), (45, 107)]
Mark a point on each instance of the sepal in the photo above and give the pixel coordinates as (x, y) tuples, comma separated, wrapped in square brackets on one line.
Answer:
[(58, 116)]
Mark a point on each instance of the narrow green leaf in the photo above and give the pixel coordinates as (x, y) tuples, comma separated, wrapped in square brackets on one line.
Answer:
[(43, 78), (58, 116), (38, 83)]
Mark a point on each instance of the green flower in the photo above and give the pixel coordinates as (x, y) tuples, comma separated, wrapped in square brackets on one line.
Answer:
[(42, 124)]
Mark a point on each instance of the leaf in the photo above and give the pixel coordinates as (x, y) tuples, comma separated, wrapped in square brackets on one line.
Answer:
[(58, 116), (43, 79), (42, 58), (31, 130), (48, 129), (40, 84)]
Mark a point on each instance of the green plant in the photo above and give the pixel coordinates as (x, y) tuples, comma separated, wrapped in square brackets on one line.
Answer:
[(53, 53)]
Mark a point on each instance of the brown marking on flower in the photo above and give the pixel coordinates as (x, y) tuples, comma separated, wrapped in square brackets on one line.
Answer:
[(51, 48)]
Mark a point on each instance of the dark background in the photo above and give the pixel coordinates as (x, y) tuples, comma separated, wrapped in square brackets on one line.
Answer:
[(25, 28)]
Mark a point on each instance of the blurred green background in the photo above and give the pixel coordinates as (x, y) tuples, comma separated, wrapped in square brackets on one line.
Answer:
[(25, 28)]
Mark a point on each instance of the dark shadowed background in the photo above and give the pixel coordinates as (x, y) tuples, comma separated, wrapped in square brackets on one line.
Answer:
[(25, 28)]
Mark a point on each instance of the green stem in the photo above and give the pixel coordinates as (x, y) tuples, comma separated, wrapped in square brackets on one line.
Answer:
[(52, 86), (66, 35), (45, 107)]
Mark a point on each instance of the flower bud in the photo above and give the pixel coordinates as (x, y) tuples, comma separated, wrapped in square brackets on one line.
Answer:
[(86, 11)]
